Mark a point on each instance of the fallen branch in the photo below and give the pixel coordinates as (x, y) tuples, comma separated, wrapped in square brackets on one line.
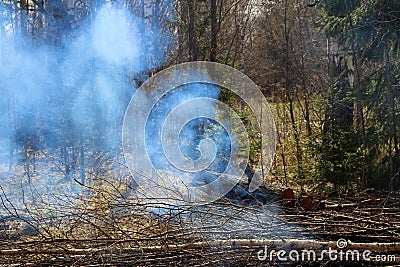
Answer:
[(293, 244)]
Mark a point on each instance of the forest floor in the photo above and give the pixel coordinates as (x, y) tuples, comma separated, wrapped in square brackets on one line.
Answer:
[(223, 234)]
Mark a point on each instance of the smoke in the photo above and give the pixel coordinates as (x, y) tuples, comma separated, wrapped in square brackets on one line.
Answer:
[(189, 137), (98, 65), (63, 96), (65, 99)]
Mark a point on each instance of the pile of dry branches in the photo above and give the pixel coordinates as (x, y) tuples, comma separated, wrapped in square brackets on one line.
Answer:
[(107, 226)]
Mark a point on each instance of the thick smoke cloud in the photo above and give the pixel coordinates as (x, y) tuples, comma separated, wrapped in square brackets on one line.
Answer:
[(64, 99), (68, 92)]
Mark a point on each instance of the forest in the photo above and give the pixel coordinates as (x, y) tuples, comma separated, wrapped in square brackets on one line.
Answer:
[(298, 100)]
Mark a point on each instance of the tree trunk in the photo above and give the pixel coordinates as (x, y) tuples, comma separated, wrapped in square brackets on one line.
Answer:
[(192, 32), (214, 30), (289, 93)]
